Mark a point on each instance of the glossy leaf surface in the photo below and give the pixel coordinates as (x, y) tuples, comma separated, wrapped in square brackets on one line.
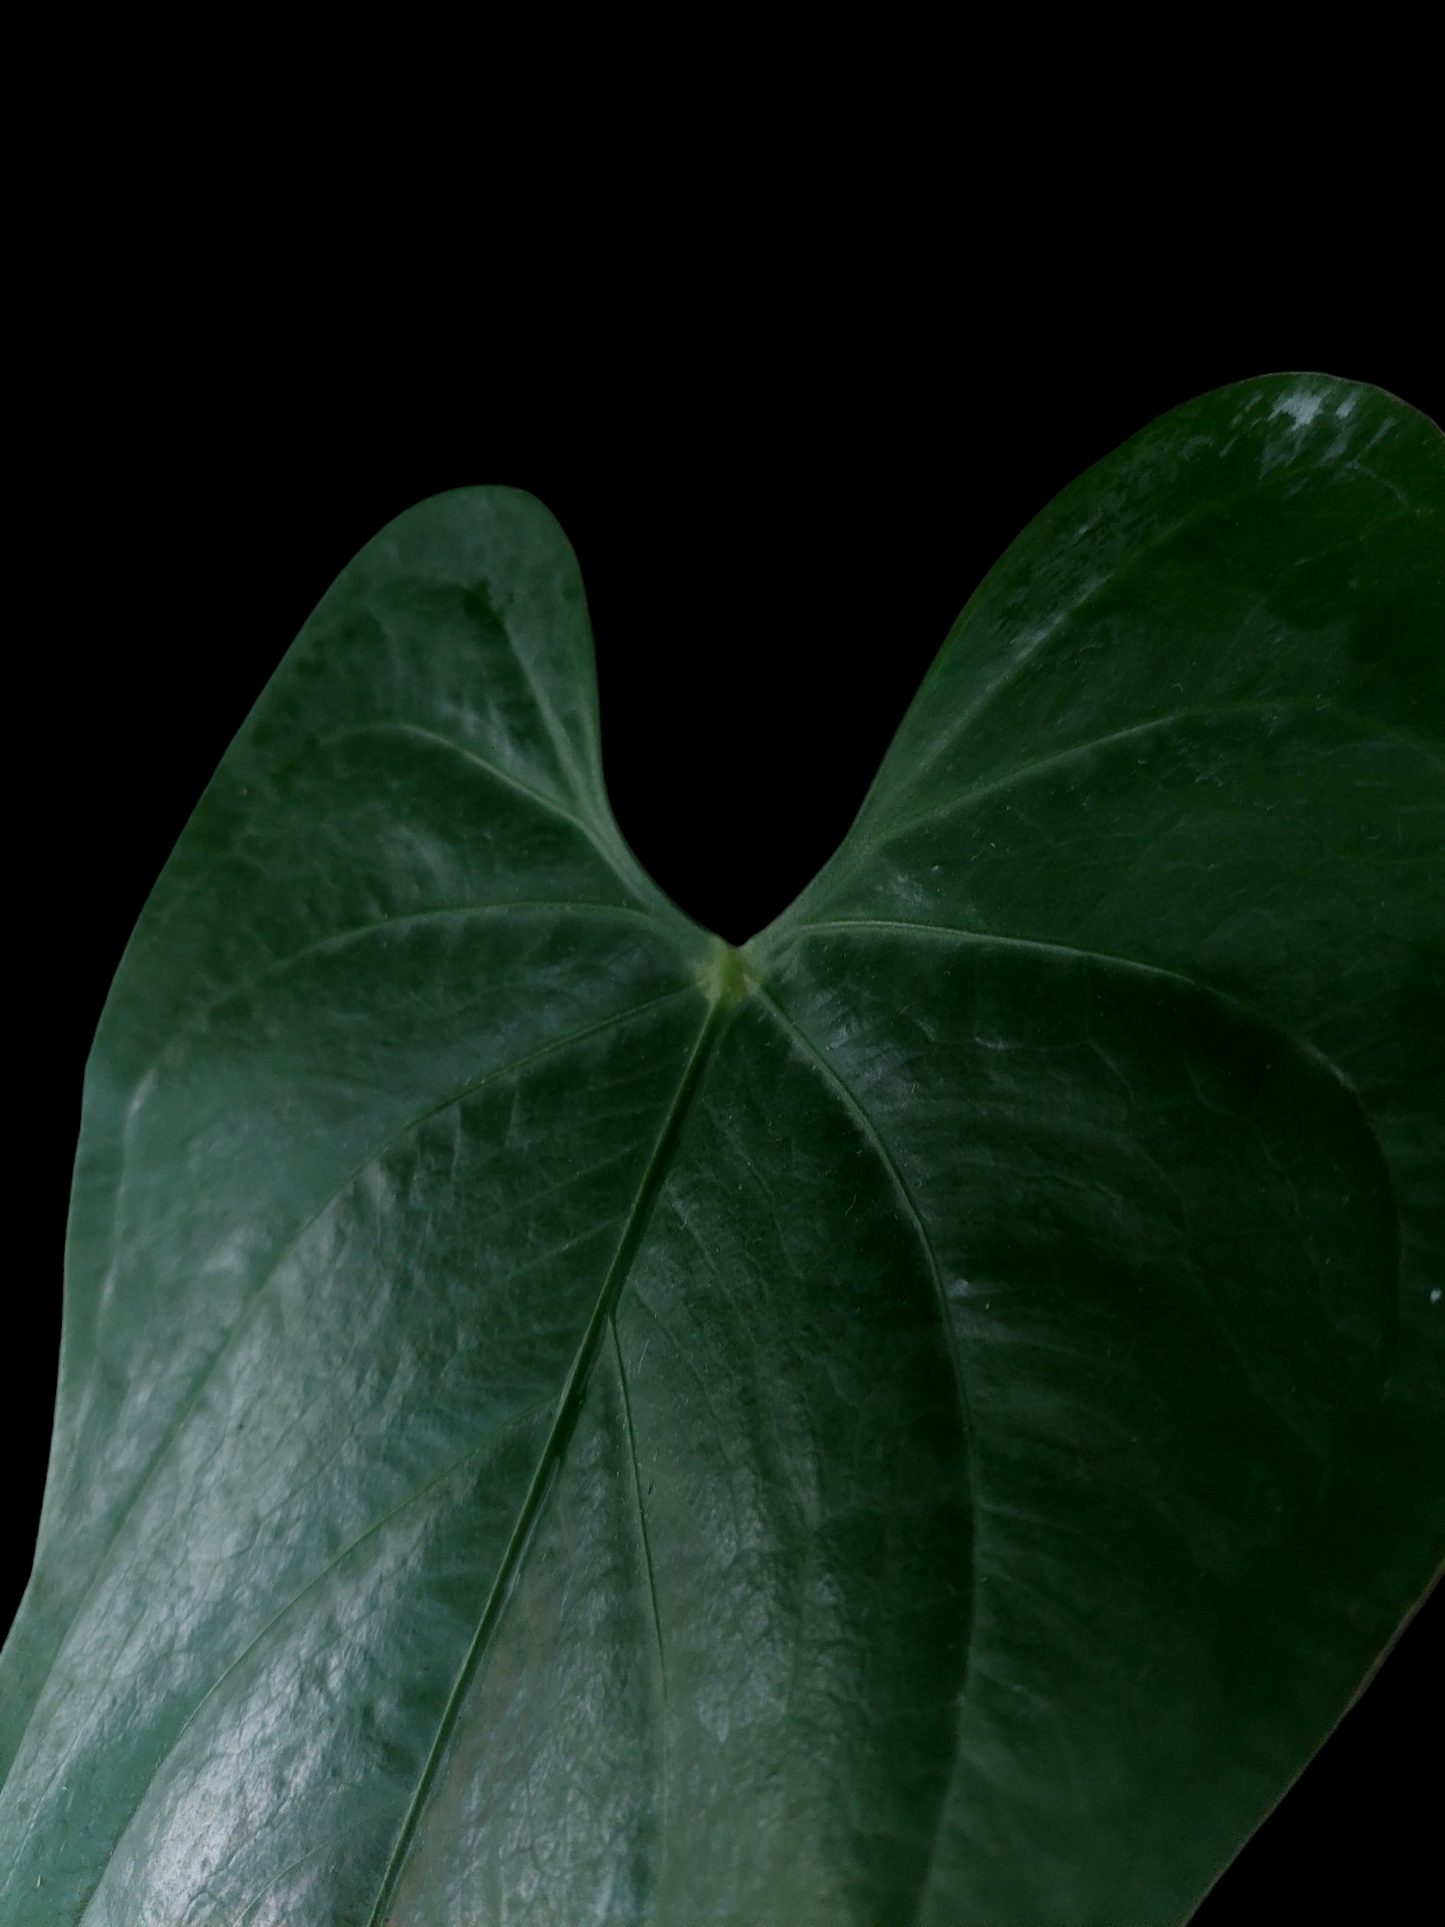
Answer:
[(928, 1419)]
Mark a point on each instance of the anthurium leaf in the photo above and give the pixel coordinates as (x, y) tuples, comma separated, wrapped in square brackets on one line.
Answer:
[(927, 1419)]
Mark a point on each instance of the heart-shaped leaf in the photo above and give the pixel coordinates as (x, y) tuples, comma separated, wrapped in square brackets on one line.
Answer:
[(926, 1419)]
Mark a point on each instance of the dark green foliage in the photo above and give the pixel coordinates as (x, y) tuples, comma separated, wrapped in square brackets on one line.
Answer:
[(927, 1419)]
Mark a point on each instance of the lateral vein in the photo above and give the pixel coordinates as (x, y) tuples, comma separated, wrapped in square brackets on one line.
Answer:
[(870, 1130)]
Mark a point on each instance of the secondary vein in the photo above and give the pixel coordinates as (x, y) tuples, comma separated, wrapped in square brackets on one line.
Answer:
[(838, 1083)]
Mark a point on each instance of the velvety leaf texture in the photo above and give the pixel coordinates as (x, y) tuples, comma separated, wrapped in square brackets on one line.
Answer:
[(927, 1419)]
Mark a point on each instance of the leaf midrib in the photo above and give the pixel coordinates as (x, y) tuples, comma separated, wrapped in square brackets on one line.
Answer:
[(569, 1406), (720, 1011)]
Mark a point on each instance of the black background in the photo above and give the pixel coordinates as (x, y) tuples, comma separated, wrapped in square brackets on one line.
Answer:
[(779, 507)]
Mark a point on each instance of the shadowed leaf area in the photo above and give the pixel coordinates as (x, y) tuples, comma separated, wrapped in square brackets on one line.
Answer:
[(926, 1419)]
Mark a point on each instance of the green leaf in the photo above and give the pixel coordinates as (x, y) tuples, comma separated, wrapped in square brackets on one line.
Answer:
[(927, 1418)]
